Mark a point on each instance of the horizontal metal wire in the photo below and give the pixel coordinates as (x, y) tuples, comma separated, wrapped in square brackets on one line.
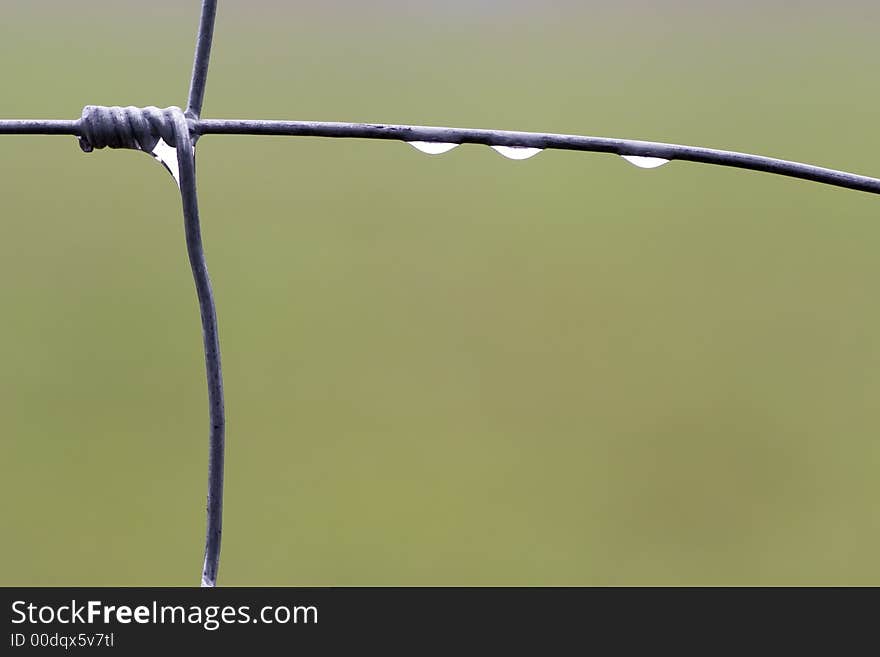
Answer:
[(541, 140), (39, 127), (544, 141)]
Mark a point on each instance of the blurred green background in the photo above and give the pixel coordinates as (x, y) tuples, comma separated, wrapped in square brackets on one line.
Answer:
[(458, 369)]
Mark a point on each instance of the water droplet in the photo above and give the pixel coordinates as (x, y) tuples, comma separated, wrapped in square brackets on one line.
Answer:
[(432, 147), (645, 162), (167, 156), (517, 152)]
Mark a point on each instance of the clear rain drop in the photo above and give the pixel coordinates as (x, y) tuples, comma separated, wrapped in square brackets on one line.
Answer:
[(167, 156), (432, 147), (517, 152), (645, 162)]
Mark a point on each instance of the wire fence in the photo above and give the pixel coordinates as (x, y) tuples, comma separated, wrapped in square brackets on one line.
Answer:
[(170, 135)]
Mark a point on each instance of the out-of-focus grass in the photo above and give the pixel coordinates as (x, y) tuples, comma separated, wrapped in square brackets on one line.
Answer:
[(452, 370)]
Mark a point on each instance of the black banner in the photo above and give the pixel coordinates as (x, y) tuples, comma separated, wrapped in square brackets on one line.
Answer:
[(126, 621)]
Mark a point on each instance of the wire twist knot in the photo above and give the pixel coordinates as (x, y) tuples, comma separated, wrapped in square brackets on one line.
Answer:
[(139, 128)]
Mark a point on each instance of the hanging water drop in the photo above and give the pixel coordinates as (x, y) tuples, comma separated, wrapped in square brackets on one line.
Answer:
[(432, 147), (645, 162), (167, 156), (517, 152)]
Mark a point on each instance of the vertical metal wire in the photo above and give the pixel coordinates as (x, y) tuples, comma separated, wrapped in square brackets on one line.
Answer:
[(189, 197), (200, 63), (217, 415)]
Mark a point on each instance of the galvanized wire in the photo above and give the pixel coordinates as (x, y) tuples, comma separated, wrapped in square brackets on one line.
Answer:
[(127, 130), (542, 140)]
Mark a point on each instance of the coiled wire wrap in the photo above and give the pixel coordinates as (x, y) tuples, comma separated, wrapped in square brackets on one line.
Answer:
[(138, 128)]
